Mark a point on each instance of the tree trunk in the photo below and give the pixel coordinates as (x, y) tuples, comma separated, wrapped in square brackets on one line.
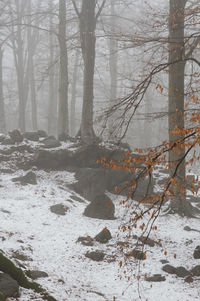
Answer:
[(113, 56), (178, 202), (63, 118), (112, 64), (33, 98), (73, 98), (32, 39), (52, 106), (88, 41), (2, 109)]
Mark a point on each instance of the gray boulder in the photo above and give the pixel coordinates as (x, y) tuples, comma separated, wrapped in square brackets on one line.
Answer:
[(50, 142), (56, 160), (91, 182), (116, 177), (8, 287), (42, 134), (89, 155), (32, 136), (2, 137), (8, 141), (16, 136), (101, 207)]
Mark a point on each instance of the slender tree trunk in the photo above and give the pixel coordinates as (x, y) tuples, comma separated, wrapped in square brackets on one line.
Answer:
[(52, 110), (63, 118), (20, 62), (112, 63), (113, 56), (2, 109), (33, 97), (73, 97), (178, 203), (22, 110), (32, 37)]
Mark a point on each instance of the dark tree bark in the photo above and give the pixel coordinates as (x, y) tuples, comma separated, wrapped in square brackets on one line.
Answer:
[(87, 25), (52, 105), (2, 109), (63, 115), (178, 203), (73, 97), (32, 39)]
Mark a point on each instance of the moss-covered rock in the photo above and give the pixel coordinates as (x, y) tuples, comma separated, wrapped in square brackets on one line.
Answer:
[(8, 267), (8, 286), (2, 297)]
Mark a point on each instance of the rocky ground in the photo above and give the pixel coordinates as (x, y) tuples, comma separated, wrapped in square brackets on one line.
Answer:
[(56, 226)]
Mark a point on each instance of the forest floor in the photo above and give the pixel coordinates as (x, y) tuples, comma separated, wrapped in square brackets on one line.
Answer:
[(49, 243)]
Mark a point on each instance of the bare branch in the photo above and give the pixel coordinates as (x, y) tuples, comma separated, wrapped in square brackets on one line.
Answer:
[(76, 8), (100, 9), (192, 47)]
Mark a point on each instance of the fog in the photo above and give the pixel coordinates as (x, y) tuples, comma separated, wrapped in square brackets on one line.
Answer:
[(31, 60), (99, 150)]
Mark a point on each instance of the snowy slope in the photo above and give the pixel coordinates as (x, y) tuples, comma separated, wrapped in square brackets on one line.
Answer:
[(28, 226)]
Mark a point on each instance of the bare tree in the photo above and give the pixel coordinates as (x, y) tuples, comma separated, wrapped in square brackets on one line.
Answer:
[(87, 26)]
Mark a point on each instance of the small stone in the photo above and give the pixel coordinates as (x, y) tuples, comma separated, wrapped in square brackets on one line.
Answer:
[(29, 178), (104, 236), (86, 241), (182, 272), (37, 274), (196, 270), (196, 253), (137, 254), (169, 269), (59, 209), (155, 278), (95, 255), (188, 279), (164, 261), (187, 228)]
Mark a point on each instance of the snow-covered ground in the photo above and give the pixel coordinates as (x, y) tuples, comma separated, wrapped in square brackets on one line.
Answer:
[(28, 226)]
